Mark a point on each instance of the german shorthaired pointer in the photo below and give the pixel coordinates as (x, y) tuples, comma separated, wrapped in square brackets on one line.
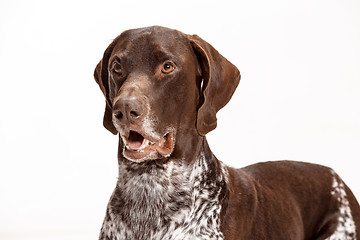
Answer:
[(163, 89)]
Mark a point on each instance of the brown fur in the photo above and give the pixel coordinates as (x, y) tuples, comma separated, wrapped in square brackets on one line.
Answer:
[(274, 200)]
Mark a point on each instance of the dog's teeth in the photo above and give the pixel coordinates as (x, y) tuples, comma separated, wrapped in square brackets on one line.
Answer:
[(144, 144)]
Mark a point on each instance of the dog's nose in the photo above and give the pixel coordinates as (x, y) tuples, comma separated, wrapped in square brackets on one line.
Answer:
[(129, 109)]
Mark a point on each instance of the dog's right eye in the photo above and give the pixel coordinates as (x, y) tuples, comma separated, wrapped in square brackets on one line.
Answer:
[(117, 68)]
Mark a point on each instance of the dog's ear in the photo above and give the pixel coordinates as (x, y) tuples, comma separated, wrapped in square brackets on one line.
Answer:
[(102, 78), (220, 79)]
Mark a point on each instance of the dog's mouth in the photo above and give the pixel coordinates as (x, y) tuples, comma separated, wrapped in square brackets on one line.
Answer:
[(138, 148)]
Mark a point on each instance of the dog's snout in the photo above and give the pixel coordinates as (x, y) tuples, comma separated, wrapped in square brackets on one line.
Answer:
[(129, 109)]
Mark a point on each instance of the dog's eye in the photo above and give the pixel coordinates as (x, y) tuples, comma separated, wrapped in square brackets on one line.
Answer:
[(167, 68), (117, 68)]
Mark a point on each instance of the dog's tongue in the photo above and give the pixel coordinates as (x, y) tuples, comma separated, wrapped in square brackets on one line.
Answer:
[(135, 140)]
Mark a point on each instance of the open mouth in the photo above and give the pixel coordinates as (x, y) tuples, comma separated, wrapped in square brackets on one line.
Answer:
[(138, 148)]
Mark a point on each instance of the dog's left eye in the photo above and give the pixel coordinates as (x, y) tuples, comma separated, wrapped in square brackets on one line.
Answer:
[(167, 68)]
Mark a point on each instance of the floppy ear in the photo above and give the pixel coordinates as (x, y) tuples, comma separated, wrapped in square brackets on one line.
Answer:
[(220, 79), (102, 78)]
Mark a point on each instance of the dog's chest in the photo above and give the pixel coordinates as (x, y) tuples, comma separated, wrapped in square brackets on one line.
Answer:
[(172, 204)]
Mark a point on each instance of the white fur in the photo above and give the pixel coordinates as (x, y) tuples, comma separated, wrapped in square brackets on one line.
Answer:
[(150, 194), (346, 229)]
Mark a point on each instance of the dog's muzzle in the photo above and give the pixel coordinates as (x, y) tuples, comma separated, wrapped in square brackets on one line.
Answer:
[(141, 141)]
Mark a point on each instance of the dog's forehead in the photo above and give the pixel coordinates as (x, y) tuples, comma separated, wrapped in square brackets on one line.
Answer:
[(155, 41)]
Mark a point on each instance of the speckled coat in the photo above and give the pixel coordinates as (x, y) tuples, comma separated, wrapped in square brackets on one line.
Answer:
[(163, 89)]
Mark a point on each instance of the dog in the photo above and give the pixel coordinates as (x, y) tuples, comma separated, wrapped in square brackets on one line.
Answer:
[(163, 89)]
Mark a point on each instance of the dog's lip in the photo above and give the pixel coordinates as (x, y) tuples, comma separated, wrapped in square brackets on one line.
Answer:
[(166, 144), (139, 147)]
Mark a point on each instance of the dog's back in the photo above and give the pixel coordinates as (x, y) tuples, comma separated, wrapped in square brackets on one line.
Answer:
[(311, 198)]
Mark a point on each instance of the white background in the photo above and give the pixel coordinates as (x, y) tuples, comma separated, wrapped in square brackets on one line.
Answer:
[(298, 98)]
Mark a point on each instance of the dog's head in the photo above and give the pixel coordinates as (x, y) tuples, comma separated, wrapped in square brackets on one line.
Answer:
[(162, 87)]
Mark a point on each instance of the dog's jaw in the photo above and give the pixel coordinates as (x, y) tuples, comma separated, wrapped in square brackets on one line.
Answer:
[(143, 143), (143, 149)]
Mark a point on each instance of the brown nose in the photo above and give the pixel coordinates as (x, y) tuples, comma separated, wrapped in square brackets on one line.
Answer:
[(128, 109)]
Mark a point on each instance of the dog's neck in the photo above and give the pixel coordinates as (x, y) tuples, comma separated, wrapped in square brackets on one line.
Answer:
[(177, 198)]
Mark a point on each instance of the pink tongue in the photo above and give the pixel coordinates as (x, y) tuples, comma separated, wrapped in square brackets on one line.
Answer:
[(134, 145), (135, 140)]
